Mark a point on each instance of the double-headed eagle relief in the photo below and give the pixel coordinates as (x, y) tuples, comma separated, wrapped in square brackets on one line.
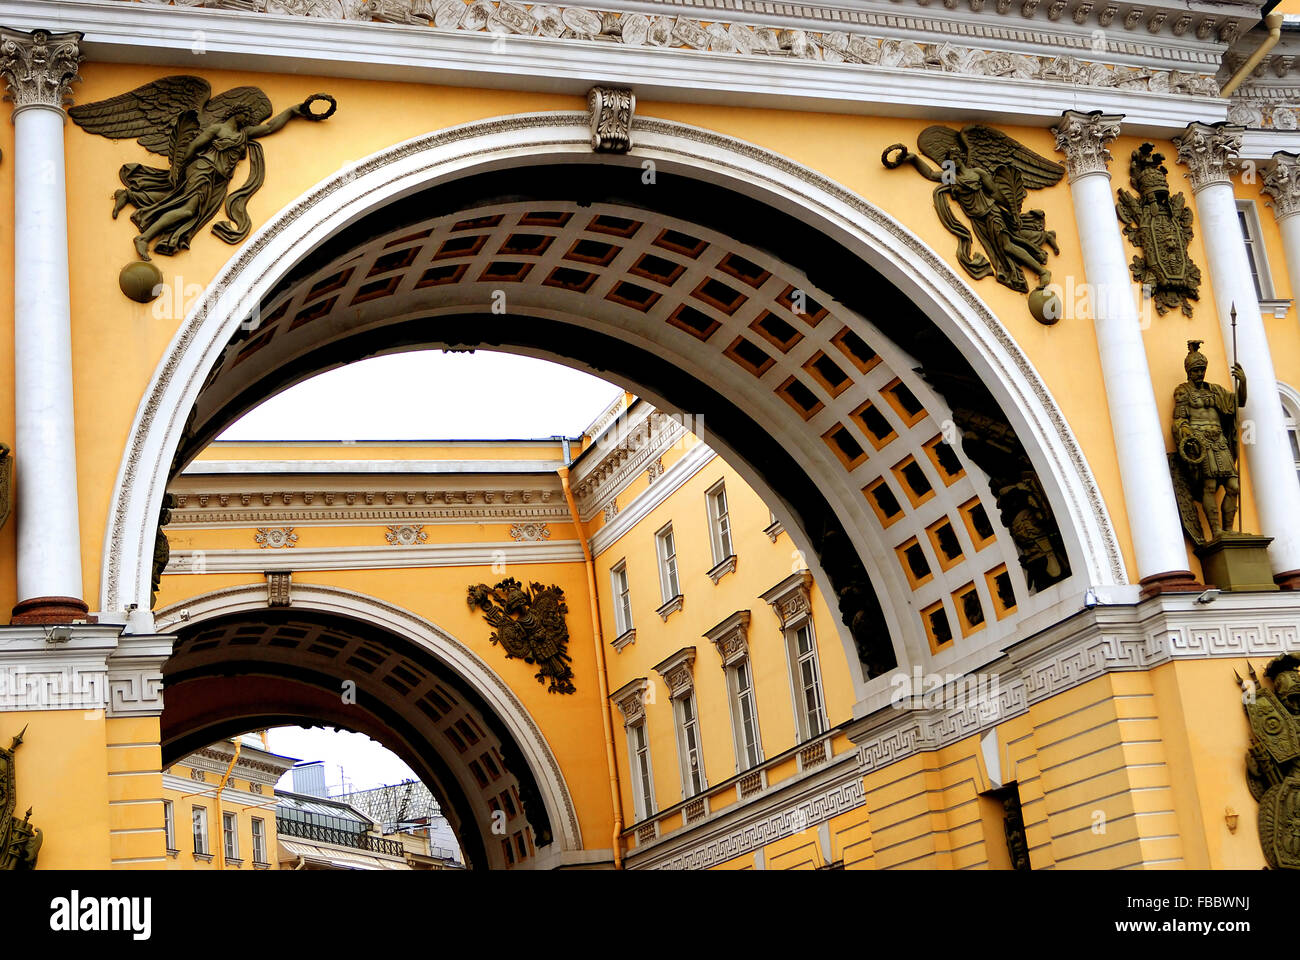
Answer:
[(989, 175), (204, 139), (1273, 760), (530, 626), (1160, 225)]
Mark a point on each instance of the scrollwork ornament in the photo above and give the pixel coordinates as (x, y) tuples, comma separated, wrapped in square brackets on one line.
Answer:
[(40, 67), (611, 119)]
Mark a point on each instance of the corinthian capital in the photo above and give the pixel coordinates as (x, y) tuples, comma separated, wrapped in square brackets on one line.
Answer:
[(1210, 152), (1282, 183), (39, 66), (1082, 137)]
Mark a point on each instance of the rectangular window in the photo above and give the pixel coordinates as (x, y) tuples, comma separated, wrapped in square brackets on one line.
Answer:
[(744, 716), (230, 835), (259, 841), (622, 599), (642, 778), (719, 523), (169, 824), (1255, 256), (200, 815), (688, 744), (810, 711), (667, 547)]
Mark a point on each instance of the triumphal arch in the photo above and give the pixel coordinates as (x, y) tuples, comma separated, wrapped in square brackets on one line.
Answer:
[(948, 519)]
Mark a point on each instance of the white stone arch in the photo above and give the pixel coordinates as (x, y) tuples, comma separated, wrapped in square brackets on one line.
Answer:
[(472, 669), (525, 139)]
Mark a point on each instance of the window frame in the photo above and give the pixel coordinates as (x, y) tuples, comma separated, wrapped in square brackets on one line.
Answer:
[(623, 620), (798, 690), (686, 719), (1256, 254), (199, 831), (230, 834), (718, 510), (1290, 400), (259, 839), (669, 574), (638, 747), (169, 825), (744, 763)]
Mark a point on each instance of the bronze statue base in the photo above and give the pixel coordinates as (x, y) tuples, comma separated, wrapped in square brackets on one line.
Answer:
[(1237, 561)]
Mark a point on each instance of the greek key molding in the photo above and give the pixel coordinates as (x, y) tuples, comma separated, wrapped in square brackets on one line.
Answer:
[(1083, 138), (813, 806), (1210, 152), (39, 67)]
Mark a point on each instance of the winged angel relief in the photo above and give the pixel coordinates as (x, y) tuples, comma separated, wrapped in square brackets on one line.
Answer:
[(530, 626), (204, 138), (989, 175)]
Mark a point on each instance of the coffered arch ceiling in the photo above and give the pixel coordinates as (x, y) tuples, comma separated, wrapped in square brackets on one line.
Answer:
[(816, 377), (243, 671)]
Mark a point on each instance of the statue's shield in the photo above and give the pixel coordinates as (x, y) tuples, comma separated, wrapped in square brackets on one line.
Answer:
[(1165, 247), (1279, 824)]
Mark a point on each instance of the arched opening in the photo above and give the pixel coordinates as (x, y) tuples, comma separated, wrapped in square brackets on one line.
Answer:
[(347, 661), (832, 359)]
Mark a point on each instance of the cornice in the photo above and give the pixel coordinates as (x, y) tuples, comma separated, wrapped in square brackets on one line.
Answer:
[(623, 452), (387, 557), (1007, 65), (686, 466), (730, 637), (678, 671)]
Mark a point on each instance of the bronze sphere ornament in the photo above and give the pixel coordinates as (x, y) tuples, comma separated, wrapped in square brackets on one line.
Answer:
[(141, 281)]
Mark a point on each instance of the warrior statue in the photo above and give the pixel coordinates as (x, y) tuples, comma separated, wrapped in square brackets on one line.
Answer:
[(1273, 760), (1205, 443)]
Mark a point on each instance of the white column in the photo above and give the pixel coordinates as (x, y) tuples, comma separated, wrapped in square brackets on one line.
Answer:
[(1210, 153), (1135, 420), (39, 68), (1282, 183)]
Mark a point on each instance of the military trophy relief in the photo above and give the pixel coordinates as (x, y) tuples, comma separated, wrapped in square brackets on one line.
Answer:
[(1159, 224), (529, 625), (988, 176), (204, 139), (1273, 760), (20, 842), (1203, 466)]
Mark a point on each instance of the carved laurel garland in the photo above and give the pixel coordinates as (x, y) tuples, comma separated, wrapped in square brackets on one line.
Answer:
[(577, 134)]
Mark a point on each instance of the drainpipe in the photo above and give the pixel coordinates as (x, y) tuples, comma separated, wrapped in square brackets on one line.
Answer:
[(221, 826), (1274, 23), (601, 678)]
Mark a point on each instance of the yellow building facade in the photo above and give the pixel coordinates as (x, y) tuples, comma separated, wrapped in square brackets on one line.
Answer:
[(880, 562)]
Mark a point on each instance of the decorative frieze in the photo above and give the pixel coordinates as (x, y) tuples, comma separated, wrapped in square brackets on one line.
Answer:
[(730, 637), (1209, 152), (790, 599), (406, 535), (631, 700), (39, 67), (1083, 138), (530, 531), (1281, 182), (275, 537), (678, 672)]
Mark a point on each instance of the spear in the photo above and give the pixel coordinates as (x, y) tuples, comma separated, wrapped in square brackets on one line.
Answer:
[(1240, 485)]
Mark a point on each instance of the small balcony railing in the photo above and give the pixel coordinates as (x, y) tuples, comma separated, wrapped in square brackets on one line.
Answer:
[(344, 838)]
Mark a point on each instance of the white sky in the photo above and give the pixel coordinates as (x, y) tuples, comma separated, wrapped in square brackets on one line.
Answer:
[(431, 395), (424, 395)]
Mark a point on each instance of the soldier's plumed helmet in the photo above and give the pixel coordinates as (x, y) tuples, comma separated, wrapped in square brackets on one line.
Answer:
[(1194, 359)]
